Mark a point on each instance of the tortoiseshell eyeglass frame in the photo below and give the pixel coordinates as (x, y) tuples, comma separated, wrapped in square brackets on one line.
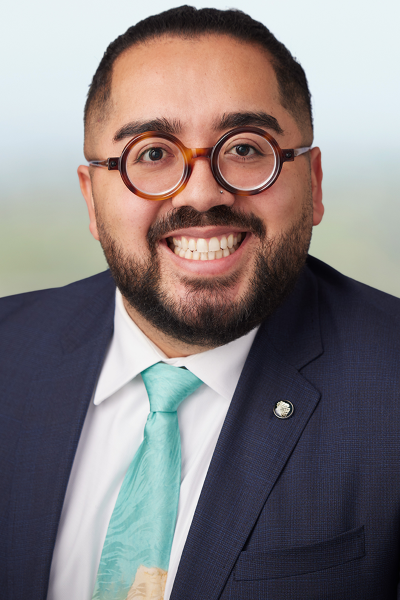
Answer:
[(190, 154)]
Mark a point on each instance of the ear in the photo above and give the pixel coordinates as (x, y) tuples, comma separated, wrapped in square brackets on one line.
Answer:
[(316, 185), (86, 188)]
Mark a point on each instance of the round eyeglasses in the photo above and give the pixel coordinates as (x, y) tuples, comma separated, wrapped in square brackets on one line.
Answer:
[(157, 166)]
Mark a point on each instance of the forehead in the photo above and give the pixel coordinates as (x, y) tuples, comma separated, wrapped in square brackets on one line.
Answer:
[(193, 80)]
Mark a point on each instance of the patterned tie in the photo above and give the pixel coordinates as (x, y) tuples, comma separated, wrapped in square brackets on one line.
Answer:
[(135, 557)]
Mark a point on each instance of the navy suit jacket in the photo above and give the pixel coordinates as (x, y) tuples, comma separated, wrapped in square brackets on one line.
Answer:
[(299, 508)]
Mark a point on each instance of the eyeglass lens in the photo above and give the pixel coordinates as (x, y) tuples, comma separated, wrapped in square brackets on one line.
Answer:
[(245, 161), (155, 165)]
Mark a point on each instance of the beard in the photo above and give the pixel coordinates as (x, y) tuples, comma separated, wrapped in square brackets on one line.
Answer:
[(204, 317)]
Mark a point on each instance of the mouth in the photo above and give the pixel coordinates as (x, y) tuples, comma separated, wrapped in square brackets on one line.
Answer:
[(198, 248)]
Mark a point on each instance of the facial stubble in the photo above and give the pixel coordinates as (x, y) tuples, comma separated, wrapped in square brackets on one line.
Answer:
[(203, 317)]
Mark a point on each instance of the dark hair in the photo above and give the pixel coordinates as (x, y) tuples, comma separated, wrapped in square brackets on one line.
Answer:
[(189, 22)]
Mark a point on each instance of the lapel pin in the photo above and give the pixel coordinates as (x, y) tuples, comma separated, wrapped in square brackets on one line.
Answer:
[(283, 409)]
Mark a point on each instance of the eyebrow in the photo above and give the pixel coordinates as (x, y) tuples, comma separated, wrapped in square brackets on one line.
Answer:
[(227, 121), (136, 127), (243, 119)]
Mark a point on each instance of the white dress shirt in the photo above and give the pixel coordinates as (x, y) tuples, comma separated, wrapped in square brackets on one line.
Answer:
[(111, 435)]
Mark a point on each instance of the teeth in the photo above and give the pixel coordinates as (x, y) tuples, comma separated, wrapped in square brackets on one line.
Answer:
[(213, 245), (201, 249), (202, 245)]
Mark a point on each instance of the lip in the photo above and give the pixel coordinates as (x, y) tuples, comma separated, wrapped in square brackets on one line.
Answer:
[(218, 266), (205, 232)]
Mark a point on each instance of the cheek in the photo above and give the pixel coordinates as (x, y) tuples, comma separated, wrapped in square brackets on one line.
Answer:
[(278, 208), (123, 215), (282, 204)]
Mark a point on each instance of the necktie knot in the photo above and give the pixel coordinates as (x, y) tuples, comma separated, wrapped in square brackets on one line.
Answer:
[(168, 386)]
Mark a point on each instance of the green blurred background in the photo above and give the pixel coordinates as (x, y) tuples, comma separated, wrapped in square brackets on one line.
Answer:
[(350, 51)]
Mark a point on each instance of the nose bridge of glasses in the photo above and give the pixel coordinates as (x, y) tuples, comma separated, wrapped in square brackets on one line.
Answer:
[(201, 152)]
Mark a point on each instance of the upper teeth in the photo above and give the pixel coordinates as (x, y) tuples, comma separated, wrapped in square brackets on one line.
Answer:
[(202, 249)]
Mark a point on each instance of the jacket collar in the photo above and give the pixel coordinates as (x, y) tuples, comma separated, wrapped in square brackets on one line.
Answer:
[(294, 329)]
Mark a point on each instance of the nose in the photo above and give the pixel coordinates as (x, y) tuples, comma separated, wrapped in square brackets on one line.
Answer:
[(202, 191)]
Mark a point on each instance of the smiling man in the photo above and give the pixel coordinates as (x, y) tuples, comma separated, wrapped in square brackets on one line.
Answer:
[(206, 419), (200, 265)]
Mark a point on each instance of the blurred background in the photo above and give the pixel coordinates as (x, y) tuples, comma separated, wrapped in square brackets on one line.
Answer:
[(350, 50)]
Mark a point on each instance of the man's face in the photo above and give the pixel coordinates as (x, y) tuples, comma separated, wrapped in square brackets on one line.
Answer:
[(196, 86)]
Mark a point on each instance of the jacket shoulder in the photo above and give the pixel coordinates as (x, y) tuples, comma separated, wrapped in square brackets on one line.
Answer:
[(346, 293), (54, 300), (39, 329), (355, 319), (43, 323)]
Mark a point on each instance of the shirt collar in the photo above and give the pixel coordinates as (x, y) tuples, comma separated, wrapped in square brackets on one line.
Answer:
[(131, 351)]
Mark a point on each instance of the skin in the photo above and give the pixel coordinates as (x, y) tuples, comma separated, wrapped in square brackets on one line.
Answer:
[(195, 82)]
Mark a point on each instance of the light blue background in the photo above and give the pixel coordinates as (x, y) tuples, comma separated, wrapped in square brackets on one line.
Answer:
[(350, 51)]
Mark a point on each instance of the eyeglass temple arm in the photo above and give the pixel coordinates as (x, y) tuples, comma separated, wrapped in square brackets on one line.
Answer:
[(110, 163)]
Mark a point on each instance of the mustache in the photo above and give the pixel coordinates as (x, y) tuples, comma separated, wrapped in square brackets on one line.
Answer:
[(187, 216)]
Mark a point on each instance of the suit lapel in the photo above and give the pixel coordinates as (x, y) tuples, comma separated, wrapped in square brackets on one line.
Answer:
[(254, 444), (56, 407)]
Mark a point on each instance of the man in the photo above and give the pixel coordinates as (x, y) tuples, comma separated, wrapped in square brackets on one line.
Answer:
[(202, 187)]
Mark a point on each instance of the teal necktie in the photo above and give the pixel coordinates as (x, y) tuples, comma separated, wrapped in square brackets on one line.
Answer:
[(135, 557)]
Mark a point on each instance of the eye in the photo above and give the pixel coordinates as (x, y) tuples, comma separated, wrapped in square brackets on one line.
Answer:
[(243, 150), (152, 155)]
